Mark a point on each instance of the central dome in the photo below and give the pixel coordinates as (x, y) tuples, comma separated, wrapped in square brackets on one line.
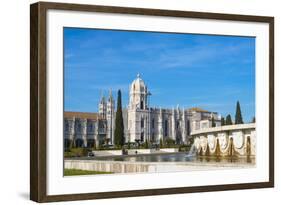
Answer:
[(138, 85)]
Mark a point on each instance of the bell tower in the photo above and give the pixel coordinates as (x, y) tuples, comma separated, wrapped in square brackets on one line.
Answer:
[(102, 107), (110, 117), (138, 112), (138, 94)]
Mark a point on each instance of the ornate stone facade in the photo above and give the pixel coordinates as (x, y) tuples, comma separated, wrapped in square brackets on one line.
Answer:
[(153, 124), (229, 140), (141, 122)]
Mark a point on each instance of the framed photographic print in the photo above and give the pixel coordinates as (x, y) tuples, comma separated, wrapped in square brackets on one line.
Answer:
[(135, 102)]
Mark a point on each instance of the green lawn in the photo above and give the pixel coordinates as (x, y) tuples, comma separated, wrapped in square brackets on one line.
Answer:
[(74, 172)]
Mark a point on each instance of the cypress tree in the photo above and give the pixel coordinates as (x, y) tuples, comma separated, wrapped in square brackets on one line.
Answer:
[(222, 121), (228, 120), (238, 115), (119, 125)]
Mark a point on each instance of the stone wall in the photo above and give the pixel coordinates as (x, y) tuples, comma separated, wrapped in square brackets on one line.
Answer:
[(148, 167), (230, 140)]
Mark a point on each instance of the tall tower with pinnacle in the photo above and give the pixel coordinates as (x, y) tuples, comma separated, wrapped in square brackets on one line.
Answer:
[(110, 116), (102, 107), (138, 111), (138, 94)]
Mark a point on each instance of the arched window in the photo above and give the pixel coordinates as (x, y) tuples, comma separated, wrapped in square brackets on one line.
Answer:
[(79, 127), (188, 127), (66, 126), (142, 136), (178, 124), (142, 122), (79, 143), (66, 143), (90, 127), (166, 128), (102, 125), (141, 105)]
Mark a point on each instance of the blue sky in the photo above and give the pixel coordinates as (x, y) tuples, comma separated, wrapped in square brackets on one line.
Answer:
[(189, 70)]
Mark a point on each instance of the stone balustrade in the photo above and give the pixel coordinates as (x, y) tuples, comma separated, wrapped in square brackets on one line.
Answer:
[(229, 140)]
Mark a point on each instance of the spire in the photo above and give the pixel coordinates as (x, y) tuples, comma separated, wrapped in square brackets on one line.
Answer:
[(110, 97), (138, 75), (102, 99)]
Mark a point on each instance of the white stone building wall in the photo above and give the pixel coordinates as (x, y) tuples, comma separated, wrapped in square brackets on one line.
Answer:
[(141, 122)]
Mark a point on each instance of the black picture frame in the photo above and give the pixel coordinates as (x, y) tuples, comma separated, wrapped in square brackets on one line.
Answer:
[(38, 100)]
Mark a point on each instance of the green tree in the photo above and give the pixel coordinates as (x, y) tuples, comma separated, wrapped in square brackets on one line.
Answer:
[(238, 115), (170, 142), (146, 145), (213, 122), (228, 120), (119, 125), (222, 121), (161, 143)]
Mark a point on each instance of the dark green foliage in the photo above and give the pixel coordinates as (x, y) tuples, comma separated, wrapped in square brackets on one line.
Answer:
[(228, 120), (170, 142), (146, 144), (77, 152), (119, 125), (161, 143), (238, 115), (184, 148), (222, 121), (213, 122)]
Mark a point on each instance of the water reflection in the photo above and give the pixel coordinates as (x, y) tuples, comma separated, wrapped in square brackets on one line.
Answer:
[(176, 157)]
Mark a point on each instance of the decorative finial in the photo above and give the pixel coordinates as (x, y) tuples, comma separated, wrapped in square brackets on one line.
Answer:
[(138, 75)]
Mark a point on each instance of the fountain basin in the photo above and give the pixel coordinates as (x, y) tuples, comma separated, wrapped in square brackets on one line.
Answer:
[(155, 163)]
